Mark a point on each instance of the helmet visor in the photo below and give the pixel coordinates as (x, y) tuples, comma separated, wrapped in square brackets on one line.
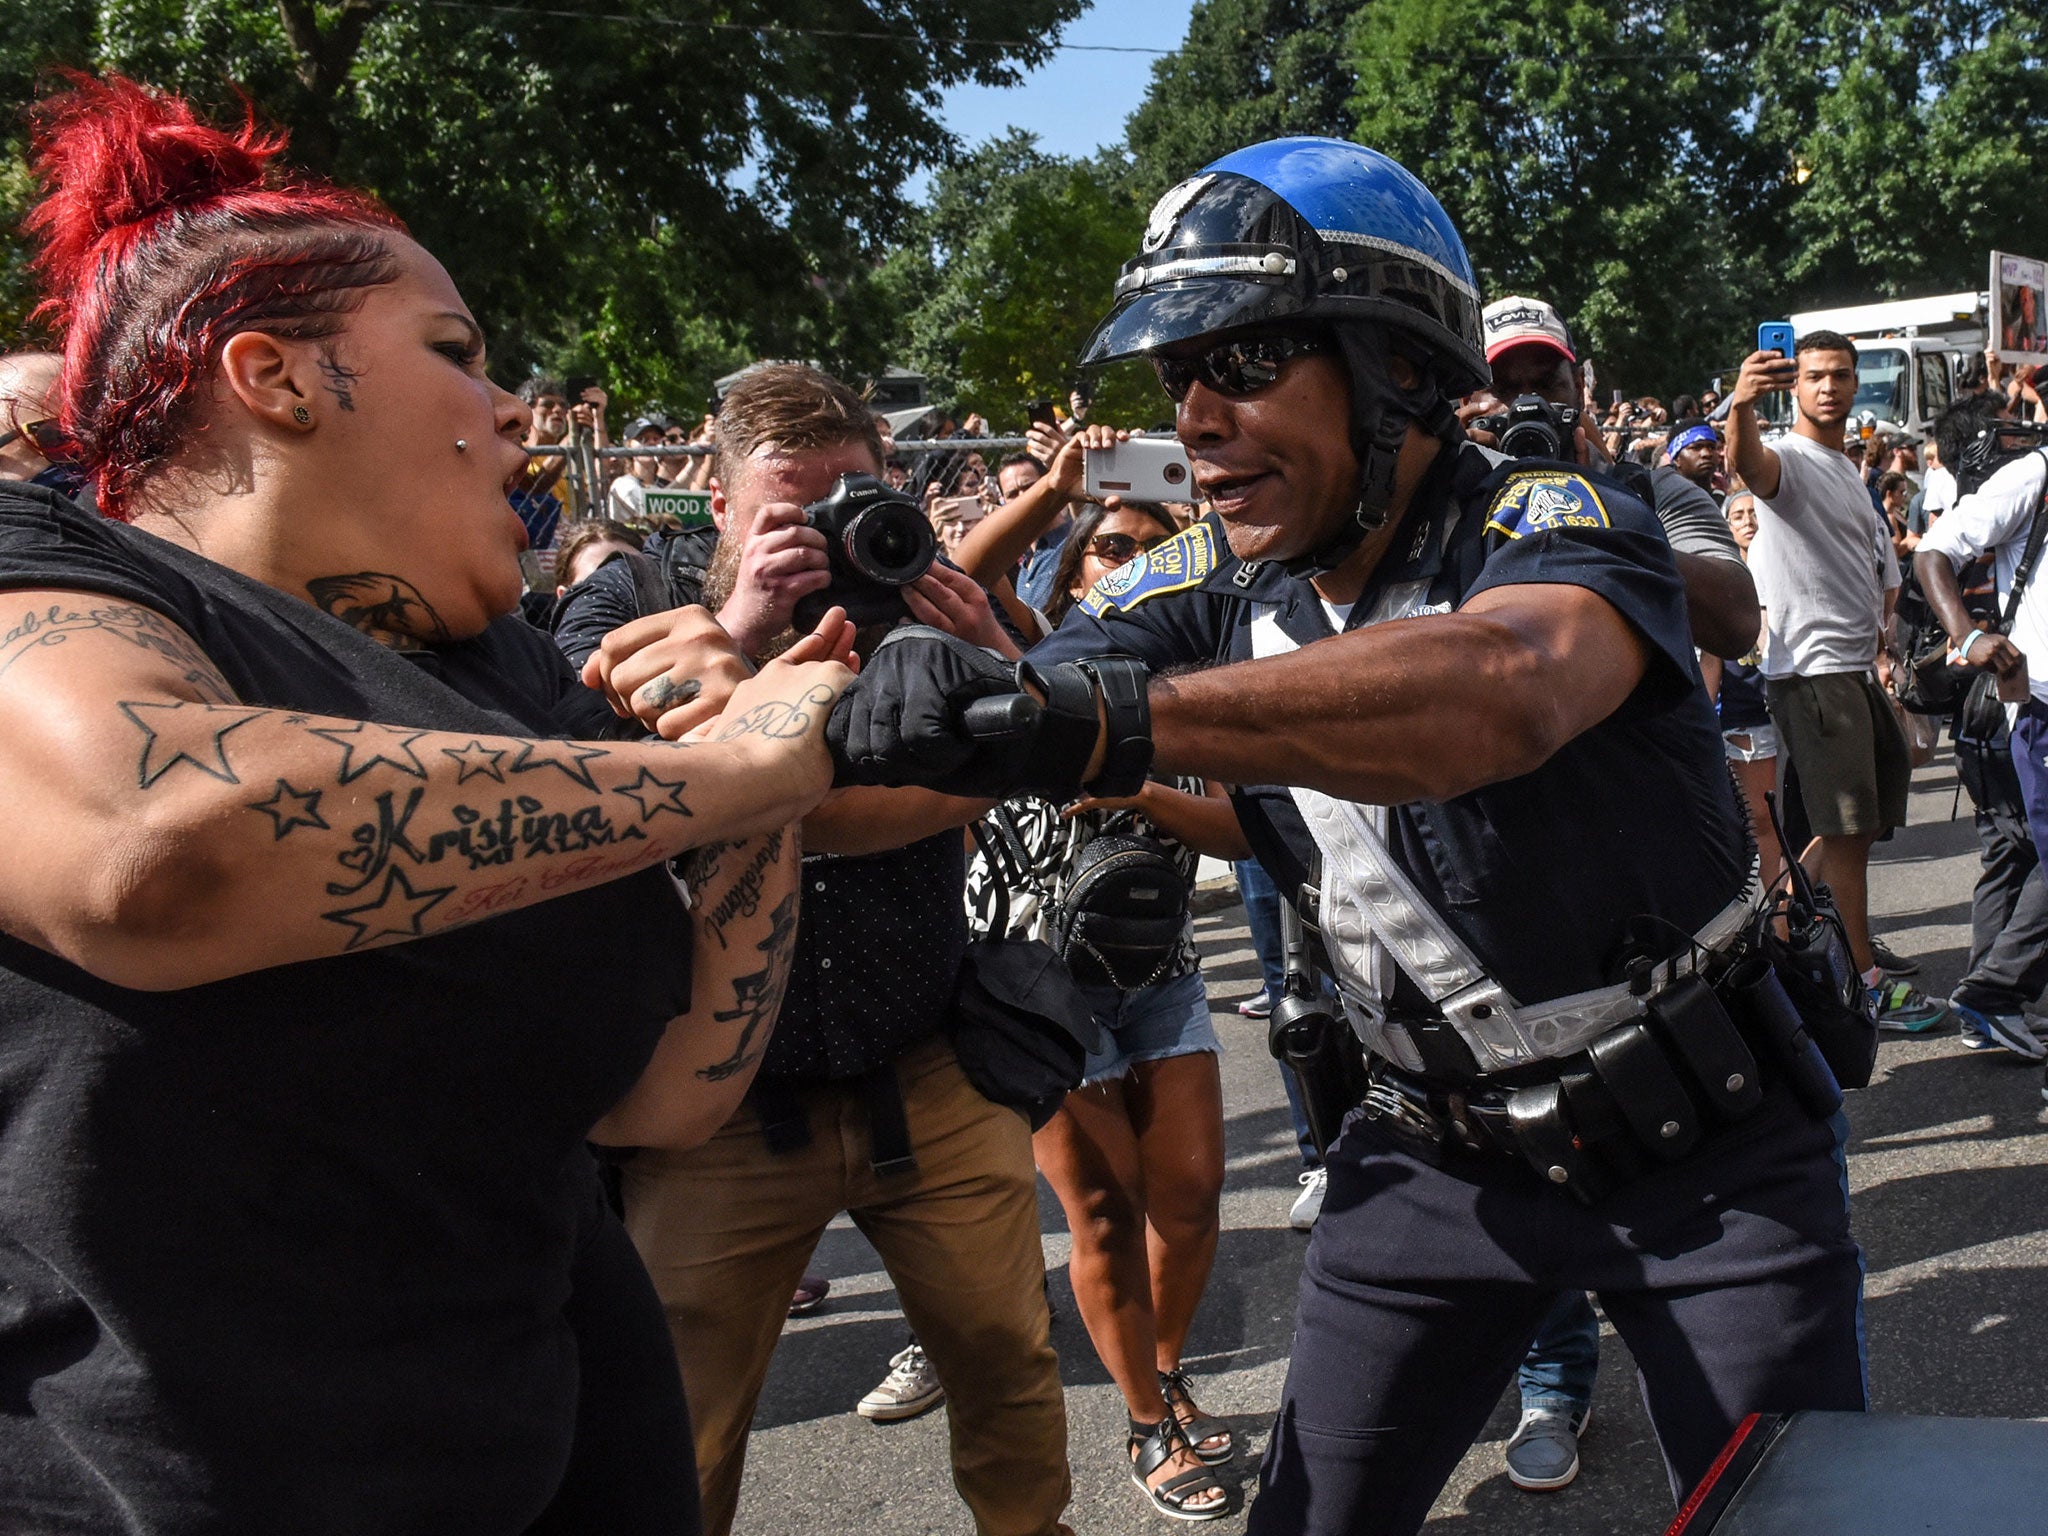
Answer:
[(1174, 312)]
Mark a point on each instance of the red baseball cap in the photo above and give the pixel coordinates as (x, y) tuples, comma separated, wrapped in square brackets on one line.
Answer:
[(1515, 322)]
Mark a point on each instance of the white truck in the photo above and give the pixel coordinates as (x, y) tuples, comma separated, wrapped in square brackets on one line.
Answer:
[(1908, 354)]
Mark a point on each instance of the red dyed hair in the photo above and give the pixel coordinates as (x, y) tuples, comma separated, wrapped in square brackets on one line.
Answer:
[(162, 237)]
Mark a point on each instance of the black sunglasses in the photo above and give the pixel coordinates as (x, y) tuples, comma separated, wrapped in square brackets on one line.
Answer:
[(1234, 368), (1116, 548), (43, 432)]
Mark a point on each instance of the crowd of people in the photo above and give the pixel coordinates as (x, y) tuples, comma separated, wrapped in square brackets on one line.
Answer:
[(512, 969)]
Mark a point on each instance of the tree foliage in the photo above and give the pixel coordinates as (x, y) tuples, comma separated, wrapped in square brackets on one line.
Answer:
[(1022, 253), (1249, 70), (653, 196)]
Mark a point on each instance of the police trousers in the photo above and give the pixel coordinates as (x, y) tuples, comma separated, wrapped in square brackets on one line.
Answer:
[(1731, 1276)]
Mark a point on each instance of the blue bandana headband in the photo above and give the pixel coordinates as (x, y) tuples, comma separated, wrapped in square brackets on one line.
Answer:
[(1685, 439)]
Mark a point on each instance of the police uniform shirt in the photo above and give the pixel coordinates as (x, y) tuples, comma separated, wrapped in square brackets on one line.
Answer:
[(1629, 830)]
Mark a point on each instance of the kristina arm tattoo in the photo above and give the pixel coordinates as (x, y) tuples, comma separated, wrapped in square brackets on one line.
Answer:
[(404, 861)]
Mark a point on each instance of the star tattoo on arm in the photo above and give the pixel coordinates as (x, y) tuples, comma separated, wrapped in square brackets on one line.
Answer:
[(193, 734), (476, 758), (566, 756), (365, 745), (397, 912), (289, 808), (654, 795)]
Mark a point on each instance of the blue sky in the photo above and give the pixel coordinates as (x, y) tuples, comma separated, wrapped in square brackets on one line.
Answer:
[(1079, 100)]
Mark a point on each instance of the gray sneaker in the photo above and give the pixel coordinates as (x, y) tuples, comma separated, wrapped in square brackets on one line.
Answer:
[(910, 1388), (1544, 1453), (2007, 1031)]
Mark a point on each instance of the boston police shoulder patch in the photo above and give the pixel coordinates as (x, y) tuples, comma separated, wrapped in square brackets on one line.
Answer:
[(1539, 500), (1181, 562)]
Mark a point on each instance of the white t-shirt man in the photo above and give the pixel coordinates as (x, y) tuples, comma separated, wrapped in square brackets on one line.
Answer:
[(1937, 491), (1996, 516), (1817, 556), (627, 502)]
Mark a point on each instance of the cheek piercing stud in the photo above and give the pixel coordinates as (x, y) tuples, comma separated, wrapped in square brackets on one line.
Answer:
[(461, 445)]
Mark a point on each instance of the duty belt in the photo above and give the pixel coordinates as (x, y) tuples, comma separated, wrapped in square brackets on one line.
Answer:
[(1366, 893)]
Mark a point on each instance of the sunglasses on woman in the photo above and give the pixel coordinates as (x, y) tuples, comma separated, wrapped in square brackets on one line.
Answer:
[(43, 432), (1234, 368), (1116, 548)]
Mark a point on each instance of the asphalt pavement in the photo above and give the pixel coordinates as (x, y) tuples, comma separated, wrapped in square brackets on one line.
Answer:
[(1946, 1169)]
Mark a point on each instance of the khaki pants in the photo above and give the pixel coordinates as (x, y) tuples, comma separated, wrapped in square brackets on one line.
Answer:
[(726, 1230)]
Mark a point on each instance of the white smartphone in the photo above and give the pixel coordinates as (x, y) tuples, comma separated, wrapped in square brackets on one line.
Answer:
[(1142, 469)]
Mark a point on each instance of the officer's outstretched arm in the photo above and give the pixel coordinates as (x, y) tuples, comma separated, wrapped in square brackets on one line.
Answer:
[(1416, 709)]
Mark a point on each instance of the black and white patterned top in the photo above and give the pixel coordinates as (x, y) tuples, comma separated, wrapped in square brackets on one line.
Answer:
[(1034, 842)]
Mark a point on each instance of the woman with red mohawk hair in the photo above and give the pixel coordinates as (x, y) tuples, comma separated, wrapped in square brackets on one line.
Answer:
[(335, 914)]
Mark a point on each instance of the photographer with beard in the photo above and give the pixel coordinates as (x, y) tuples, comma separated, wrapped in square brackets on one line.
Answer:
[(861, 1106), (1530, 352)]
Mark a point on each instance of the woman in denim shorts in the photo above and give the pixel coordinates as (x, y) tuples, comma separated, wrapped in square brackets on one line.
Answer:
[(1135, 1154)]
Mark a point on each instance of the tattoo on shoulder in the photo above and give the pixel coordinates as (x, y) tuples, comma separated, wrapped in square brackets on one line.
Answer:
[(387, 608), (49, 627), (757, 996), (780, 719), (194, 735)]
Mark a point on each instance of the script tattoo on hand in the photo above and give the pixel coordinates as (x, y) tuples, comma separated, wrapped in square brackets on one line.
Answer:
[(389, 609), (780, 719), (45, 628), (757, 996)]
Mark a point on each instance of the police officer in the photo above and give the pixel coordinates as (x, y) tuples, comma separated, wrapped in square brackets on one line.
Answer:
[(1508, 815)]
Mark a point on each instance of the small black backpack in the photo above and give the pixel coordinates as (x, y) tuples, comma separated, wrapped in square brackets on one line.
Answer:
[(1119, 913)]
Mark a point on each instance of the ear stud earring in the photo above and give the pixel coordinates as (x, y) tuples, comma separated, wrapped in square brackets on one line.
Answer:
[(302, 416)]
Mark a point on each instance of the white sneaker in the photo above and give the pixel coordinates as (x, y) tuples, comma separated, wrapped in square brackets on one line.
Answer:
[(911, 1387), (1308, 1205)]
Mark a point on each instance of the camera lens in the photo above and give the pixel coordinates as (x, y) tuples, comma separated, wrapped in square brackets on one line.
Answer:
[(1530, 440), (891, 544)]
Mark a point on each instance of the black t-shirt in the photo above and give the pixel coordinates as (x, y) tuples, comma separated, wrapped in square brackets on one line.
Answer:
[(289, 1252), (1545, 875)]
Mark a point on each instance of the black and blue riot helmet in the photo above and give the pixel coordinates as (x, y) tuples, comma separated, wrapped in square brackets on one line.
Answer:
[(1326, 233)]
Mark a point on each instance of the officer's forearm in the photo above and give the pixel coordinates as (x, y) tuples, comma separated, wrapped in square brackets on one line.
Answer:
[(1720, 604), (1417, 709)]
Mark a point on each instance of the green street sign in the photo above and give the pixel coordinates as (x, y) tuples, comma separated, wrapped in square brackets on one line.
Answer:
[(687, 509)]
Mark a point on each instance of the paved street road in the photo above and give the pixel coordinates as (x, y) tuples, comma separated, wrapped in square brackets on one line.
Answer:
[(1947, 1168)]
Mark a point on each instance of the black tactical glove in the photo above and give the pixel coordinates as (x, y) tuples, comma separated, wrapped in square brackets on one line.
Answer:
[(900, 721), (932, 710)]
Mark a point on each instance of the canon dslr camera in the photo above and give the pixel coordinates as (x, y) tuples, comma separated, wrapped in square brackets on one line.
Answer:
[(878, 541), (1533, 428)]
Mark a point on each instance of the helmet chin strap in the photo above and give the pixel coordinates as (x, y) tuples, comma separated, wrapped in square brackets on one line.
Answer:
[(1381, 413)]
